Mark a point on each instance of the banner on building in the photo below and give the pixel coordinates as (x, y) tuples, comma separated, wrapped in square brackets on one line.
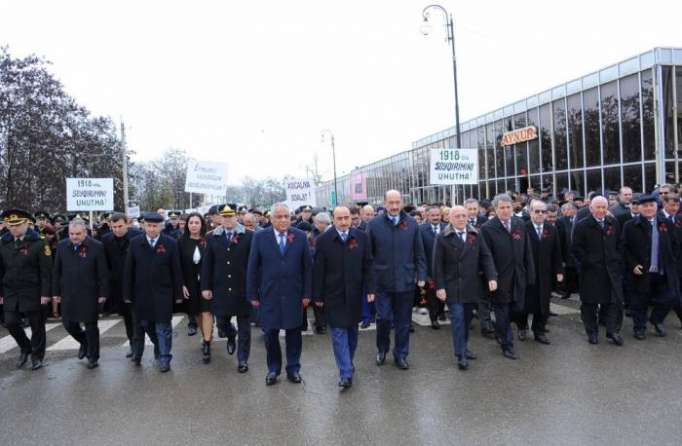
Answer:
[(358, 187), (299, 192), (206, 177), (89, 194), (454, 166)]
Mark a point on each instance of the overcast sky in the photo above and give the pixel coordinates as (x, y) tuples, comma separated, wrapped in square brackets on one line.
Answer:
[(254, 83)]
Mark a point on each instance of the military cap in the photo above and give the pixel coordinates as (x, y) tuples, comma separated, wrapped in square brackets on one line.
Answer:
[(227, 211), (14, 217), (41, 215)]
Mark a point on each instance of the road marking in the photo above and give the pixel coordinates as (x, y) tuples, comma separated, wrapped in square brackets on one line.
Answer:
[(563, 310), (69, 343), (8, 343), (174, 323), (425, 321)]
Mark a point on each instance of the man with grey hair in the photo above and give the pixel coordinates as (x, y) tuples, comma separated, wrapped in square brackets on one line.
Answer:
[(279, 283), (80, 282), (321, 223), (506, 237)]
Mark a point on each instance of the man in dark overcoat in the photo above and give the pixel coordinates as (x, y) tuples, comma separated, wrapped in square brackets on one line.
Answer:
[(279, 283), (461, 258), (80, 282), (342, 272), (429, 231), (116, 243), (508, 242), (599, 258), (399, 264), (546, 250), (651, 252), (223, 282), (152, 282)]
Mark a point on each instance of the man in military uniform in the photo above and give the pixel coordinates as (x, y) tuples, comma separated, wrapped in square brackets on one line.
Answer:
[(223, 282), (25, 270), (172, 228)]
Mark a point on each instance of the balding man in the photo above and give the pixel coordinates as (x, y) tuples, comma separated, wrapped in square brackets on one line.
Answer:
[(279, 283), (460, 258), (596, 248), (399, 264), (80, 281), (341, 276)]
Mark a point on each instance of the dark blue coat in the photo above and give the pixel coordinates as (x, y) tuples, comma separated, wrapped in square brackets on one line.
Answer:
[(223, 271), (152, 280), (80, 277), (342, 276), (398, 253), (279, 282), (429, 239)]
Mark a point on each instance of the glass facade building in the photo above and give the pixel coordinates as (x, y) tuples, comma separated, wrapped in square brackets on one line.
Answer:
[(621, 125)]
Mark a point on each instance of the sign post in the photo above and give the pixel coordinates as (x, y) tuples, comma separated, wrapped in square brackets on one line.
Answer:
[(300, 192), (204, 177), (89, 194)]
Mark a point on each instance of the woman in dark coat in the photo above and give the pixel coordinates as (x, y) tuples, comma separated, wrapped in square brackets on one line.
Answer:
[(192, 244)]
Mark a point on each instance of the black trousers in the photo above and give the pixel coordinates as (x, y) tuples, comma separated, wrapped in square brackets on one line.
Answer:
[(127, 314), (89, 336), (36, 345), (613, 313), (436, 306), (539, 322), (570, 283), (138, 338)]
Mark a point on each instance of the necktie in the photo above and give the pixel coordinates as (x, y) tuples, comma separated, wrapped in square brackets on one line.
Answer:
[(472, 222), (344, 237), (435, 229), (601, 223), (152, 242), (395, 220), (282, 242), (507, 225), (228, 234), (653, 268), (538, 228), (461, 235), (75, 247)]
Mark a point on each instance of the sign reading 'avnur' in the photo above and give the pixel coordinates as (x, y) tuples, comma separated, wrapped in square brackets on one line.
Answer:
[(520, 135)]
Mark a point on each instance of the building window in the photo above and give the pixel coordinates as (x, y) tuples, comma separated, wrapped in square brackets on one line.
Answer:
[(594, 180), (560, 151), (561, 182), (575, 131), (668, 119), (490, 148), (546, 137), (609, 123), (612, 178), (632, 177), (499, 150), (649, 177), (648, 125), (591, 122), (629, 116)]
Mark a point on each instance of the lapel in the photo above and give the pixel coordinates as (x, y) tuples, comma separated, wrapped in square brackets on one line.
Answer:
[(273, 240), (502, 229)]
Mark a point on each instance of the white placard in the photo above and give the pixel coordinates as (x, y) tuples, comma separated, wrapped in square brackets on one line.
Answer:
[(89, 194), (454, 166), (300, 192), (206, 177), (133, 212)]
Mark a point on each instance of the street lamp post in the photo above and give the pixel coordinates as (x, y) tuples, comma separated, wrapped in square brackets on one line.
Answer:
[(426, 28), (331, 136)]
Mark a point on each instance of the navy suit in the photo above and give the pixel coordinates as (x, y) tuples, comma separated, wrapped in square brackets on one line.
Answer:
[(436, 307), (279, 282), (399, 262)]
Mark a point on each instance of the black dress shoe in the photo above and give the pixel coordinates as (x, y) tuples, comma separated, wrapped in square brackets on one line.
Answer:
[(593, 338), (488, 333), (639, 335), (165, 367), (231, 345), (270, 379), (345, 383), (243, 367), (294, 377), (402, 364), (435, 324), (191, 330), (523, 335), (659, 330), (206, 352), (509, 354), (83, 350), (463, 364), (23, 359), (381, 358), (542, 339), (136, 361), (442, 317), (468, 354), (37, 364), (92, 364), (615, 338), (321, 330), (365, 324)]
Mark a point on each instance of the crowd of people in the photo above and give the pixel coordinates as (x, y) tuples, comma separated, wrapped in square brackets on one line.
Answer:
[(500, 261)]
